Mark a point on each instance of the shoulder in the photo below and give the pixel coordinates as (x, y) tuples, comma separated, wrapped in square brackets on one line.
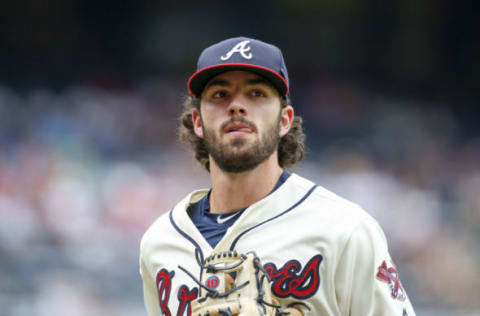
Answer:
[(162, 228), (328, 202), (161, 224), (341, 215)]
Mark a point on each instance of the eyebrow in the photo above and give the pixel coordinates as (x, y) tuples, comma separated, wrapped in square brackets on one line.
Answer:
[(217, 82), (225, 83)]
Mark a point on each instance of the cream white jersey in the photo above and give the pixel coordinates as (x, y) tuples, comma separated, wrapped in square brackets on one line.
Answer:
[(317, 247)]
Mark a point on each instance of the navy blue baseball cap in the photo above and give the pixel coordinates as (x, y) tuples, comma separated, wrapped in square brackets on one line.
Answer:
[(240, 53)]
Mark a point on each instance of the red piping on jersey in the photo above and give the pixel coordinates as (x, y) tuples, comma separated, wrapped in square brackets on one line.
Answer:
[(237, 65)]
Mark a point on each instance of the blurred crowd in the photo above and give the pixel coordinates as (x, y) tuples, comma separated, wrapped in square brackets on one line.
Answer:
[(84, 171)]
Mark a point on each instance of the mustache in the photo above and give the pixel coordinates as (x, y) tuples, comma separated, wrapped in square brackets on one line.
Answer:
[(239, 119)]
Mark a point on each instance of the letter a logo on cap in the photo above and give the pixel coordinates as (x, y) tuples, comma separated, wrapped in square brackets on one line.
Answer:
[(241, 48)]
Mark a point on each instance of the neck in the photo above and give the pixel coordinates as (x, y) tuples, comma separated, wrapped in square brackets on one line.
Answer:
[(235, 191)]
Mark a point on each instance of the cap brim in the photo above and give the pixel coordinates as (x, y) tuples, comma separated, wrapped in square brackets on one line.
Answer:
[(199, 79)]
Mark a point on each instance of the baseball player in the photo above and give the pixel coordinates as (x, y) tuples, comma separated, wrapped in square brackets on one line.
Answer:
[(323, 254)]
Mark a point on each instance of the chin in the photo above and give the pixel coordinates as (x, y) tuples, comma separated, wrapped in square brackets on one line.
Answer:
[(238, 143)]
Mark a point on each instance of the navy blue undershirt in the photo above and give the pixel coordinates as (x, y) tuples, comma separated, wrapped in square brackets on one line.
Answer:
[(214, 226)]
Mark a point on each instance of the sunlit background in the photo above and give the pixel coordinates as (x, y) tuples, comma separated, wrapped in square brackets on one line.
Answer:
[(90, 92)]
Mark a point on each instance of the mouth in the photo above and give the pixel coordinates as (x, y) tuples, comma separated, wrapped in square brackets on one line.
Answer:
[(238, 128)]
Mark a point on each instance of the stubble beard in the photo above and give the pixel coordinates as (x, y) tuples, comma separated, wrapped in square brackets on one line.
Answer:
[(237, 155)]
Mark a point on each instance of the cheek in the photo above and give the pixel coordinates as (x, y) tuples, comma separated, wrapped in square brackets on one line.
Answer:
[(210, 124), (271, 121)]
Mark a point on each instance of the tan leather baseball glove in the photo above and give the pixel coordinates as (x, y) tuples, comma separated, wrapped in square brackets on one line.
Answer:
[(235, 284)]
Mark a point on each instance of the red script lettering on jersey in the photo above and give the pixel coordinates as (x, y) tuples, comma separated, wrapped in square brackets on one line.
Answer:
[(164, 285), (291, 280), (185, 296)]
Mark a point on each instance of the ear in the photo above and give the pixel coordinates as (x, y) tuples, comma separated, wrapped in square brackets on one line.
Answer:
[(286, 120), (197, 123)]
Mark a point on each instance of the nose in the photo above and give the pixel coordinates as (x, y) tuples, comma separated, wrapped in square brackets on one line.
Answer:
[(237, 107)]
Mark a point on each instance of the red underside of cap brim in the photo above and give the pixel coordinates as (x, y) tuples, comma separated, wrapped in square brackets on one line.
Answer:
[(199, 79)]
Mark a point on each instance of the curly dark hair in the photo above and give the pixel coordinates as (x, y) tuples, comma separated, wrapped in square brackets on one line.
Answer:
[(291, 148)]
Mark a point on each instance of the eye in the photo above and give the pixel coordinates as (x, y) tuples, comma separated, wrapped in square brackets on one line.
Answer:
[(219, 94), (258, 93)]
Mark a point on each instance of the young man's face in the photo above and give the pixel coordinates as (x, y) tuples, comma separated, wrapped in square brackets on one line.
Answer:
[(240, 120)]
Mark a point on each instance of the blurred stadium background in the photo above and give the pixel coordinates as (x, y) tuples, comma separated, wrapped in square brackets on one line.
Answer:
[(90, 92)]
